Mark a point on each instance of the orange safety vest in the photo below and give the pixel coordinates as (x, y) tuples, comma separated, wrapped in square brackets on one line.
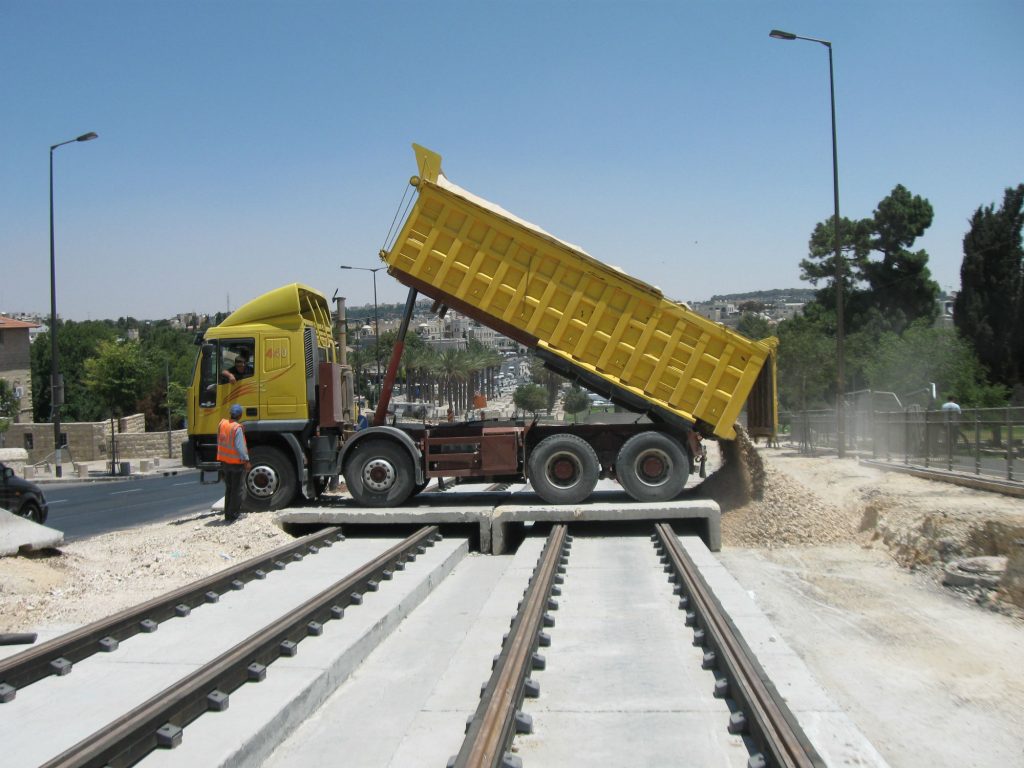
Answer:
[(226, 451)]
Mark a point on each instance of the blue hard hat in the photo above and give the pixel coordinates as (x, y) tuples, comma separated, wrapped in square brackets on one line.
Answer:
[(236, 410)]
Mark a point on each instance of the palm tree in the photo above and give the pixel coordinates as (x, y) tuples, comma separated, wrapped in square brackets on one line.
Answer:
[(452, 371)]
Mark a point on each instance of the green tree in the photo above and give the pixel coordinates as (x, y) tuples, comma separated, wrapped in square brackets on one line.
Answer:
[(900, 282), (753, 326), (117, 377), (170, 354), (924, 354), (530, 397), (989, 309), (882, 277), (576, 401), (806, 363), (8, 405), (546, 378), (76, 343), (453, 371)]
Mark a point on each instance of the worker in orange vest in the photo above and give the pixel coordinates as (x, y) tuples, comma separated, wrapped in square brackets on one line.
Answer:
[(233, 455)]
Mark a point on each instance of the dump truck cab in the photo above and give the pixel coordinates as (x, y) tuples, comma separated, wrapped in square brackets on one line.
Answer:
[(274, 356)]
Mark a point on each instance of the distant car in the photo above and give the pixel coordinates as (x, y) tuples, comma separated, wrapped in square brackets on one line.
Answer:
[(21, 497)]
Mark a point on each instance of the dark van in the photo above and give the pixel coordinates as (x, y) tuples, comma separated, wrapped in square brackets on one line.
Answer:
[(21, 497)]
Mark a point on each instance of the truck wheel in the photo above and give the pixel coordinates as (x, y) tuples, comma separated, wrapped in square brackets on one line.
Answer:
[(563, 469), (270, 483), (652, 466), (379, 473)]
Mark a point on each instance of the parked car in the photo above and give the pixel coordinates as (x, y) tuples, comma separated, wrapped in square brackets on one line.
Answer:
[(21, 497)]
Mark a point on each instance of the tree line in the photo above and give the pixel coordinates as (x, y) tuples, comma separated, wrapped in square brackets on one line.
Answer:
[(892, 342), (108, 372)]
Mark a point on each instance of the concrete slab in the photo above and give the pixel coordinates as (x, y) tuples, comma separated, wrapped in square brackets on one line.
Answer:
[(17, 532), (833, 734), (430, 509), (494, 512), (261, 717), (608, 506), (623, 684), (407, 705)]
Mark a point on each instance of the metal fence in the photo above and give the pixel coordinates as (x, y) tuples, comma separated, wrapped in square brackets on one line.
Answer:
[(983, 441)]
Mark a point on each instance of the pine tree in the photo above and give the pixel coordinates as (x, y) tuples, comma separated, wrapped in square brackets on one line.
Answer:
[(892, 291), (990, 306)]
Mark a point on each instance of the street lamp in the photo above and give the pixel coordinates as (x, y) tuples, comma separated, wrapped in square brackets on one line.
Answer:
[(376, 320), (56, 381), (840, 332)]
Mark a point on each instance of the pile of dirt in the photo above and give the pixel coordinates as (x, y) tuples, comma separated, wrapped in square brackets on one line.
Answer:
[(787, 514), (740, 476), (922, 524)]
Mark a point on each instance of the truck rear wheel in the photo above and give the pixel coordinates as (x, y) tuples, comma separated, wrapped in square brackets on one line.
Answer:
[(563, 469), (379, 473), (270, 483), (652, 466)]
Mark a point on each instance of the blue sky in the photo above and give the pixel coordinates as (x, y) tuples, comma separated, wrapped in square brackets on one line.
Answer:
[(246, 145)]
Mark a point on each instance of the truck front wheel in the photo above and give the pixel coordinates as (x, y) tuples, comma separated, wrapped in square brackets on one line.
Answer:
[(563, 469), (270, 483), (379, 473), (652, 466)]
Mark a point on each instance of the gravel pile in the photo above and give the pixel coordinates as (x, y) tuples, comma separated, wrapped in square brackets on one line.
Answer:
[(787, 514)]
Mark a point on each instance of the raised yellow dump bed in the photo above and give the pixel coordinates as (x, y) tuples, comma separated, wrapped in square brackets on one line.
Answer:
[(521, 281)]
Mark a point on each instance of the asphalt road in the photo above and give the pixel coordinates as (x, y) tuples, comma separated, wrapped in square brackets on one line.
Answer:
[(81, 510)]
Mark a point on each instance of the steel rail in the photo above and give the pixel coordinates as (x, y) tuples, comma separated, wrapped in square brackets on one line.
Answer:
[(59, 655), (497, 720), (761, 714), (160, 721)]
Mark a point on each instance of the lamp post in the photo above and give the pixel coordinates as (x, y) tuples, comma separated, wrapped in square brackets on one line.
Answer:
[(840, 332), (56, 381), (376, 320)]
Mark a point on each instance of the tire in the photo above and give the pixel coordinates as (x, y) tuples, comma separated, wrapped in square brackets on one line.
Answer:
[(270, 484), (379, 473), (563, 469), (652, 466), (32, 511)]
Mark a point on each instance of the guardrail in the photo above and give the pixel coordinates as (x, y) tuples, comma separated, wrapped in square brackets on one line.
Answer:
[(983, 441)]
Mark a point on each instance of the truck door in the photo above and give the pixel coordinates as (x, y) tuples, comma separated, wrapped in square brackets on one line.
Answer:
[(282, 389)]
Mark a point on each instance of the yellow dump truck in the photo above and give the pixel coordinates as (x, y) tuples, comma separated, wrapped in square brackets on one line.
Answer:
[(616, 335)]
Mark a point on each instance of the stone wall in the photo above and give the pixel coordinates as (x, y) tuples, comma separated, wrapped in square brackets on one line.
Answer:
[(134, 423), (90, 441), (85, 439), (150, 445)]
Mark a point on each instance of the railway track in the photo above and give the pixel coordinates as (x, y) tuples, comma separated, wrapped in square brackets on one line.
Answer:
[(58, 656), (617, 650), (753, 708), (159, 720)]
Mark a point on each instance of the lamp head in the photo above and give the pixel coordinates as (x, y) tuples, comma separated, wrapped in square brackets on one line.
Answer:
[(778, 34), (88, 136)]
